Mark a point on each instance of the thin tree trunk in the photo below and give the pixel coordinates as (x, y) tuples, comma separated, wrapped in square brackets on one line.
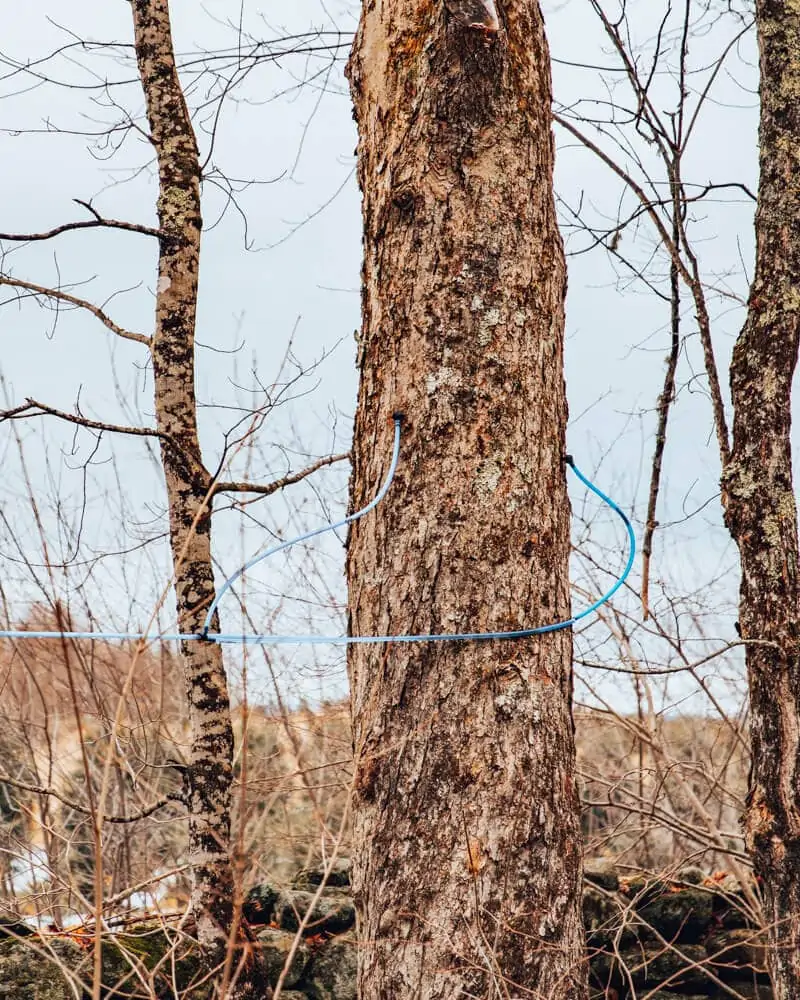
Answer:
[(467, 858), (210, 765), (759, 499)]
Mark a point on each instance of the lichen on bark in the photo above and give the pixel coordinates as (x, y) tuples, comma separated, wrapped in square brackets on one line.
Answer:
[(467, 865), (759, 499), (209, 769)]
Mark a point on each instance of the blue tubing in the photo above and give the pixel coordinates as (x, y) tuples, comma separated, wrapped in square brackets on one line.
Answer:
[(352, 640), (317, 531)]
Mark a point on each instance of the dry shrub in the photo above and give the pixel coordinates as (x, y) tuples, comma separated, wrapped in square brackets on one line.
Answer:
[(50, 691), (658, 791), (661, 791)]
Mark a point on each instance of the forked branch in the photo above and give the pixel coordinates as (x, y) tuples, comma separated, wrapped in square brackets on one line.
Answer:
[(60, 296)]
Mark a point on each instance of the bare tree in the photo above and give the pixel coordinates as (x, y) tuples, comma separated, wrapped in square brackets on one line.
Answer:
[(757, 482), (467, 846)]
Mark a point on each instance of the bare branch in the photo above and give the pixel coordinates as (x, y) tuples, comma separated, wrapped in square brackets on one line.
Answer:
[(23, 410), (690, 277), (664, 404), (97, 221), (60, 296), (24, 786), (33, 408), (266, 489)]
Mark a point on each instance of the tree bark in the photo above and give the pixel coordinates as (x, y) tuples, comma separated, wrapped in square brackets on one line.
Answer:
[(209, 773), (467, 859), (759, 500)]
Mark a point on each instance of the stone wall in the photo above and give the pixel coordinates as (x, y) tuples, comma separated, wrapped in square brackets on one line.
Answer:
[(666, 939), (687, 937)]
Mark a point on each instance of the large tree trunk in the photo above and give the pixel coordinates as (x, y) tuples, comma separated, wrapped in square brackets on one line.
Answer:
[(759, 499), (210, 765), (467, 857)]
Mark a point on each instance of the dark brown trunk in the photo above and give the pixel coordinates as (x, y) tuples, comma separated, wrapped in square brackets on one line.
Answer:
[(759, 499), (467, 867)]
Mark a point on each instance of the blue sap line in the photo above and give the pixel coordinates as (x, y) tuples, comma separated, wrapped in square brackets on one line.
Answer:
[(351, 640), (317, 531)]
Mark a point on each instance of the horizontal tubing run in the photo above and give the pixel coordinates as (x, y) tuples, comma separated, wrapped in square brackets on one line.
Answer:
[(351, 640)]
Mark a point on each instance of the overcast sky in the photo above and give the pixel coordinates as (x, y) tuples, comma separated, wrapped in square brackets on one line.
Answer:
[(287, 128)]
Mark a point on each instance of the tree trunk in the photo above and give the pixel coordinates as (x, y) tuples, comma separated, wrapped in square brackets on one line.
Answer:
[(467, 857), (759, 500), (210, 765)]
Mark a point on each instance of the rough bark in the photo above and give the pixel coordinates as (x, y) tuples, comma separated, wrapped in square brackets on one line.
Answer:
[(467, 864), (759, 500), (210, 760)]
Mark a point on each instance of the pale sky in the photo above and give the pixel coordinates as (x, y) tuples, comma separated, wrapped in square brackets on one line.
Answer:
[(288, 127)]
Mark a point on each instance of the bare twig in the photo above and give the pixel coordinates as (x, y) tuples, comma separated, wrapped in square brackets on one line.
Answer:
[(67, 227)]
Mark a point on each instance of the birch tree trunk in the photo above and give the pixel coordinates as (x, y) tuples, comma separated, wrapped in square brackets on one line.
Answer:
[(758, 494), (210, 766), (467, 859)]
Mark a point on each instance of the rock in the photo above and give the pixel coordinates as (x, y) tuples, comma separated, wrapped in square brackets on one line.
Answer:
[(26, 975), (724, 882), (656, 967), (602, 970), (334, 912), (730, 910), (332, 975), (338, 877), (691, 875), (609, 918), (601, 916), (259, 904), (679, 914), (149, 948), (275, 947), (663, 995), (741, 950), (749, 991), (600, 872), (11, 928), (603, 880), (641, 889), (649, 968)]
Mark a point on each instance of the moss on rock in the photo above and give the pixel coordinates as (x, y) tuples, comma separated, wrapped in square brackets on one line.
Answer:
[(679, 915), (28, 974), (338, 877), (275, 946), (333, 912), (146, 960), (332, 975), (259, 904)]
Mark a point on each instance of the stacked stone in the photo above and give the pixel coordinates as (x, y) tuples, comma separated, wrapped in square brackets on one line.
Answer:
[(685, 938), (324, 963), (323, 966)]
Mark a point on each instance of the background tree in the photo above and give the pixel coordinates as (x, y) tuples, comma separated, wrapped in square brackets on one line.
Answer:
[(209, 768), (756, 461), (467, 846), (759, 499)]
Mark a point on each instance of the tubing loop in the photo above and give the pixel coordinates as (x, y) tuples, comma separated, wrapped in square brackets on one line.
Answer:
[(349, 640)]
